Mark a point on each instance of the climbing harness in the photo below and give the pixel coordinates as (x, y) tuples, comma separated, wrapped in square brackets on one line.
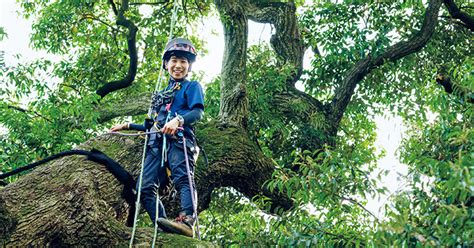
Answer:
[(190, 180), (157, 86)]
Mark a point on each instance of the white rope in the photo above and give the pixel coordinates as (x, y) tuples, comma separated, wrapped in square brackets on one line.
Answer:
[(157, 86), (173, 20), (191, 189), (134, 134)]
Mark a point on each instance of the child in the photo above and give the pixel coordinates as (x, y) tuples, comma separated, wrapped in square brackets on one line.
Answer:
[(178, 106)]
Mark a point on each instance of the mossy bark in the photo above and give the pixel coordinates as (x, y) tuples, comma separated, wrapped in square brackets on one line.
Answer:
[(76, 202)]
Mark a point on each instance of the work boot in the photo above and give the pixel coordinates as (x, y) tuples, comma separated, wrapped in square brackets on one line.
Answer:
[(183, 225)]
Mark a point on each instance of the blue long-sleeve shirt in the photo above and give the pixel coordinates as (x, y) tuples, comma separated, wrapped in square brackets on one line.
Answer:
[(188, 102)]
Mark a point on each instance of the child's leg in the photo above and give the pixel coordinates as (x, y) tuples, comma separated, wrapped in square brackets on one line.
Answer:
[(177, 163), (152, 175)]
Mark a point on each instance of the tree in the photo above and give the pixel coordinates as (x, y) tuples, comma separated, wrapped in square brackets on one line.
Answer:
[(286, 149)]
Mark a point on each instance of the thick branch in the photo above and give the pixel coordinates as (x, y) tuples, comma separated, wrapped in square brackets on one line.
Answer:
[(114, 8), (354, 75), (234, 161), (132, 52), (286, 101), (301, 110), (456, 13), (286, 41), (234, 102), (73, 202), (295, 107), (288, 45), (130, 106)]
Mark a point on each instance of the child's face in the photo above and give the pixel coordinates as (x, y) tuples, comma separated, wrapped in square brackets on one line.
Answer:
[(177, 67)]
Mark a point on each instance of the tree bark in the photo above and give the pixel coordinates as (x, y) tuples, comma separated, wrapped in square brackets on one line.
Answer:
[(75, 202), (401, 49), (456, 13), (234, 102), (294, 106)]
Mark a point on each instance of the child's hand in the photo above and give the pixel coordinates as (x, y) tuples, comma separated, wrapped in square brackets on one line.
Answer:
[(171, 127), (118, 127)]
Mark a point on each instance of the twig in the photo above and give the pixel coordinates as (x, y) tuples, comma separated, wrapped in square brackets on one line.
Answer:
[(361, 206), (92, 17), (28, 111)]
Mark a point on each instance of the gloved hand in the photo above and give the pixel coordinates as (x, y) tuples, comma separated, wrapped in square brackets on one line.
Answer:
[(171, 127), (118, 127)]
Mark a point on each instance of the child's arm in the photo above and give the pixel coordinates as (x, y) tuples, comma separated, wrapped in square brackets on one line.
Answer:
[(192, 116), (127, 126)]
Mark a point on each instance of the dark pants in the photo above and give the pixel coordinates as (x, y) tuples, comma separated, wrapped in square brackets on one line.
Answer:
[(153, 174)]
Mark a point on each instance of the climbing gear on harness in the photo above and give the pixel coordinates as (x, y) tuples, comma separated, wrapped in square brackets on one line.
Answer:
[(164, 97), (157, 86), (168, 116)]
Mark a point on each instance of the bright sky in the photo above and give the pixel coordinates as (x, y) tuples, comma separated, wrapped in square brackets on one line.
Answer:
[(389, 129)]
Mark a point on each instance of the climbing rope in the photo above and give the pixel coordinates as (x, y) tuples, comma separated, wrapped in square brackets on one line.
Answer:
[(157, 86), (191, 183)]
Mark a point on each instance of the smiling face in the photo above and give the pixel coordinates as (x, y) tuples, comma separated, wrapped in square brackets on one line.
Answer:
[(177, 67)]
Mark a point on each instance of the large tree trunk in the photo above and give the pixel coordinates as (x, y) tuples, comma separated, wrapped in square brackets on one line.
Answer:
[(76, 202)]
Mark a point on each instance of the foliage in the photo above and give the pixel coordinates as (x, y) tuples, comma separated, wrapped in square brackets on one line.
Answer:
[(436, 206), (50, 106), (327, 184), (3, 34)]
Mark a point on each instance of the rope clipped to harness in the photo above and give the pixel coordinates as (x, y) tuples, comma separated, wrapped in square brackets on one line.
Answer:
[(191, 183)]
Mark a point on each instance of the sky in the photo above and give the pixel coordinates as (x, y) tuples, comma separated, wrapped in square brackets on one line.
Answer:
[(389, 129)]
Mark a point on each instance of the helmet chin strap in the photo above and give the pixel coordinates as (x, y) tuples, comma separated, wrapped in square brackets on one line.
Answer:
[(179, 80)]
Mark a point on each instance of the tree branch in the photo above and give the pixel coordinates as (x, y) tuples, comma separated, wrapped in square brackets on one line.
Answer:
[(354, 75), (92, 17), (353, 201), (286, 41), (456, 13), (451, 88), (114, 8), (132, 52), (234, 101), (150, 3), (295, 107), (28, 111), (130, 106)]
